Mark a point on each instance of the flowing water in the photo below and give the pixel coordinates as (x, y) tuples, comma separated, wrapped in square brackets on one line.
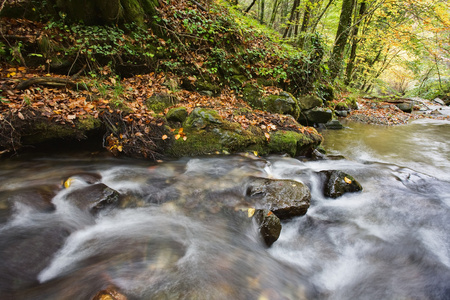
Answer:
[(179, 230)]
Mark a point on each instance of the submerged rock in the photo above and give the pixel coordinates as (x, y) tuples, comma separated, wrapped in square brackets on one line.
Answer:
[(337, 183), (269, 226), (286, 198), (94, 197)]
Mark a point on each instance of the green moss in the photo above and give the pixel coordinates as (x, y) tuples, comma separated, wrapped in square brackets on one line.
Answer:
[(133, 12), (89, 123), (284, 103), (202, 117), (284, 141), (159, 103), (44, 131), (341, 106), (177, 114), (252, 95)]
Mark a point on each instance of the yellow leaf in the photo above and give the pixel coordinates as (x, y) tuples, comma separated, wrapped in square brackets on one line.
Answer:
[(267, 135), (251, 212), (255, 153), (120, 148), (177, 136), (347, 180), (68, 182)]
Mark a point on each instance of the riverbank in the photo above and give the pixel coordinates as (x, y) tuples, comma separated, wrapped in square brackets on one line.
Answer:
[(386, 113), (147, 116)]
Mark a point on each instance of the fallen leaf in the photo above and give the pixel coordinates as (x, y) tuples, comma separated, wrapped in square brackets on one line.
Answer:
[(19, 114), (347, 180), (164, 137), (251, 212), (68, 182)]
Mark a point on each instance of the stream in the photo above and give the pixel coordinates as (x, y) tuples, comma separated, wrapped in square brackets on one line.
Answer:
[(180, 229)]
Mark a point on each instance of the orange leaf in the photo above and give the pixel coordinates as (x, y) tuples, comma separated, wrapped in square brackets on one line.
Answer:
[(347, 180), (164, 137), (180, 130), (267, 136), (177, 136)]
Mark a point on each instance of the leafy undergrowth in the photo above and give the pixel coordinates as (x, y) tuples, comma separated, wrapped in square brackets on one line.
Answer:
[(131, 127)]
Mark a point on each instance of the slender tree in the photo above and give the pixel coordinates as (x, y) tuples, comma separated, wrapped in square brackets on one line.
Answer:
[(343, 31)]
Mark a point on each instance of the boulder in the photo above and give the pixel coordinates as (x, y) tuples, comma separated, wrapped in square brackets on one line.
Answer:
[(405, 106), (177, 114), (284, 103), (315, 116), (334, 124), (269, 226), (294, 143), (285, 198), (201, 118), (309, 101), (336, 183)]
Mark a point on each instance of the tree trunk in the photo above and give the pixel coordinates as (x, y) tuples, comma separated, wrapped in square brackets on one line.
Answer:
[(305, 23), (340, 41), (261, 15), (250, 6), (276, 4), (316, 22), (355, 41), (291, 18), (101, 12)]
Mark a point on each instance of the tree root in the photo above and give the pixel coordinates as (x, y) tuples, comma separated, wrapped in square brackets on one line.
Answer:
[(51, 81)]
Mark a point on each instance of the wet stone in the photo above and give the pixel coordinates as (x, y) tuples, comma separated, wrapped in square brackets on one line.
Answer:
[(94, 197), (337, 183), (286, 198)]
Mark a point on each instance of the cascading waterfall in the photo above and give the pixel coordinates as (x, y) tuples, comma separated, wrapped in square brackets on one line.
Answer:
[(180, 229)]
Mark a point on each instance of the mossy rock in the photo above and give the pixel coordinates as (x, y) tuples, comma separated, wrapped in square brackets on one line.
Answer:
[(341, 106), (309, 101), (207, 133), (351, 102), (207, 87), (43, 130), (284, 103), (158, 103), (202, 117), (216, 141), (326, 93), (177, 114), (294, 143), (252, 95), (315, 116), (284, 141)]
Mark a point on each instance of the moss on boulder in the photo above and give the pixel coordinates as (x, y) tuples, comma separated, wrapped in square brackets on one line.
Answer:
[(284, 103)]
